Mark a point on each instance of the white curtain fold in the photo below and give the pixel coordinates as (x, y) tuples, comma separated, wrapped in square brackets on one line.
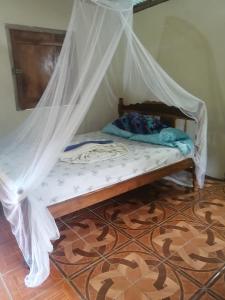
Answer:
[(95, 30)]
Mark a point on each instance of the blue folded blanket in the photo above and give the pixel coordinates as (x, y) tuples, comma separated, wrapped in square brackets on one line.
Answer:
[(74, 146)]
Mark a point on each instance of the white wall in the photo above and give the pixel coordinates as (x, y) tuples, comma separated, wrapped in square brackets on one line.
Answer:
[(187, 38), (41, 13), (52, 14)]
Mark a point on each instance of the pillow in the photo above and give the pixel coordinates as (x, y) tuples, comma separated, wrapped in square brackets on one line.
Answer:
[(133, 122), (112, 129), (172, 134), (139, 124)]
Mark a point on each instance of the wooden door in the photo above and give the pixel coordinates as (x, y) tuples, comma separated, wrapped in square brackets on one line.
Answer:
[(34, 55)]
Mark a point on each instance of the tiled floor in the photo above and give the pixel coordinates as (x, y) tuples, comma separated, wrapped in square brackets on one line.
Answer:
[(159, 242)]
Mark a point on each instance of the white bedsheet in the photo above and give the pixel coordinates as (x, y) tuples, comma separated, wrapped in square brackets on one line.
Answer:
[(66, 181)]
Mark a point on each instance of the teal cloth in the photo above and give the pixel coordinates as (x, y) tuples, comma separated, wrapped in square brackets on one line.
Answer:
[(112, 129), (170, 137), (171, 134), (185, 146)]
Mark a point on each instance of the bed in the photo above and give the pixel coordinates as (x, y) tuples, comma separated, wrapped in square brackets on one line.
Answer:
[(71, 187)]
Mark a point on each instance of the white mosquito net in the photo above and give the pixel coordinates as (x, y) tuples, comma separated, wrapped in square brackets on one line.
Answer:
[(95, 31)]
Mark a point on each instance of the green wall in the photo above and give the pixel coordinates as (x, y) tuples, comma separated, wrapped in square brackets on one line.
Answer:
[(52, 14), (187, 38)]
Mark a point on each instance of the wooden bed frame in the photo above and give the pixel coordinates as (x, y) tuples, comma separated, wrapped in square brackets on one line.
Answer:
[(166, 113)]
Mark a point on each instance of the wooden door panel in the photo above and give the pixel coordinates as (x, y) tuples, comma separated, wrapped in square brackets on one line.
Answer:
[(35, 64), (35, 55)]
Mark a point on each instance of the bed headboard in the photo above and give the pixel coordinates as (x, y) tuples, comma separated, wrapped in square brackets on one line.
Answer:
[(166, 113)]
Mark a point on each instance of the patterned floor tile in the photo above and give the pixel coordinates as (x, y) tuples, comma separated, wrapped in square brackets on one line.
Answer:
[(135, 216), (177, 197), (188, 246), (106, 239), (74, 215), (97, 233), (85, 224), (15, 283), (102, 203), (201, 257), (132, 273), (67, 236), (217, 284), (210, 183), (206, 296), (173, 234), (116, 277), (161, 241), (72, 256), (210, 209), (164, 282)]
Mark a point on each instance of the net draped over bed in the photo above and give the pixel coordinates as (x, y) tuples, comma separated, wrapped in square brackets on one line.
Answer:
[(99, 30)]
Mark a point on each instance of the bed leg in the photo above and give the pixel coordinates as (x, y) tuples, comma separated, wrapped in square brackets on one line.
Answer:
[(194, 181)]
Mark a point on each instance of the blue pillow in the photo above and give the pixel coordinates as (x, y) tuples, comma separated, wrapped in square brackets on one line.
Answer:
[(170, 134), (112, 129), (139, 124)]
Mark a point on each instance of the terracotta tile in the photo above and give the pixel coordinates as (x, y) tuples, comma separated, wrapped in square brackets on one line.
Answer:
[(174, 233), (10, 257), (15, 283), (59, 291), (3, 293), (72, 256), (134, 217), (115, 278), (5, 231)]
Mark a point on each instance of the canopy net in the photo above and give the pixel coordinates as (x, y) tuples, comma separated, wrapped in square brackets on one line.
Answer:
[(99, 31)]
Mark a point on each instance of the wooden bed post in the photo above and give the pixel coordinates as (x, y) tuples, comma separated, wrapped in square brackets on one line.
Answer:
[(120, 107)]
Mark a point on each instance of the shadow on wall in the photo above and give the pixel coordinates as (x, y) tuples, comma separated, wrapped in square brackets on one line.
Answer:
[(186, 55)]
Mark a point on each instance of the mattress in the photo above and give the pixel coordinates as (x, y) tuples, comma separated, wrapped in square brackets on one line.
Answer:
[(67, 181)]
